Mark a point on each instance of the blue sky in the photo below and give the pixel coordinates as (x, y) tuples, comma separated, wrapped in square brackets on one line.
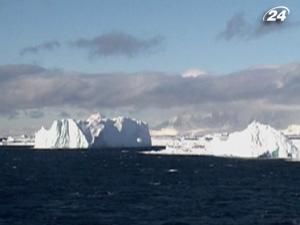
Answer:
[(189, 30), (48, 46)]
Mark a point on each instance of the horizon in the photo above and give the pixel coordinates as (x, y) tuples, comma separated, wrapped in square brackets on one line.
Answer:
[(212, 63)]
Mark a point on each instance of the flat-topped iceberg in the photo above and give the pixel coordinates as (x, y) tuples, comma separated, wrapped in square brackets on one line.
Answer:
[(257, 140), (95, 132)]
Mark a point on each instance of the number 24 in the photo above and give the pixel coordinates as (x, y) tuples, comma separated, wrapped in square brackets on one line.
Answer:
[(273, 15)]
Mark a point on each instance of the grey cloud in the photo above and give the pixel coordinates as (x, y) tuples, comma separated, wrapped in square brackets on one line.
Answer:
[(13, 70), (35, 114), (64, 114), (46, 46), (262, 93), (118, 44), (238, 27), (264, 29), (12, 115)]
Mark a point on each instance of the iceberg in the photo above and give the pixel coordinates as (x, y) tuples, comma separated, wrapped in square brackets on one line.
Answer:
[(256, 141), (15, 141), (292, 130), (95, 132), (63, 133)]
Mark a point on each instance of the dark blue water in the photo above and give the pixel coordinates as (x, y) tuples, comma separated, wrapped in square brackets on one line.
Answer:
[(73, 188)]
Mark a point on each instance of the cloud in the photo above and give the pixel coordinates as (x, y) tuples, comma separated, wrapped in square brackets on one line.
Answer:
[(193, 73), (118, 44), (270, 94), (237, 27), (64, 114), (35, 114), (13, 115), (105, 45), (264, 29), (45, 46), (12, 71)]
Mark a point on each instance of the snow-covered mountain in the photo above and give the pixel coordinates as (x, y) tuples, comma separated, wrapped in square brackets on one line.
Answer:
[(257, 140), (97, 131)]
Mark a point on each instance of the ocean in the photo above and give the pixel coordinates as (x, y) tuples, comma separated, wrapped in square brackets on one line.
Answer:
[(123, 187)]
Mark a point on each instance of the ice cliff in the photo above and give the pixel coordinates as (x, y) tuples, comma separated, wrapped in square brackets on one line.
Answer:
[(63, 133), (96, 131)]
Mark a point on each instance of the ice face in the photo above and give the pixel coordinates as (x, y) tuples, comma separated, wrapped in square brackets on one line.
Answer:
[(97, 131), (118, 132), (62, 134)]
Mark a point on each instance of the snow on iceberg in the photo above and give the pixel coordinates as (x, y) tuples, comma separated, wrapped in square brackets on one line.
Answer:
[(257, 140), (96, 131)]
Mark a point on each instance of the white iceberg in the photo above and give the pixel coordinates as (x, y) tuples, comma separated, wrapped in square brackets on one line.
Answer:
[(257, 140), (20, 140), (95, 132), (63, 133), (292, 130)]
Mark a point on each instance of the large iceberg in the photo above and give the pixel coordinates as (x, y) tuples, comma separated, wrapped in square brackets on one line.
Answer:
[(95, 132), (257, 140)]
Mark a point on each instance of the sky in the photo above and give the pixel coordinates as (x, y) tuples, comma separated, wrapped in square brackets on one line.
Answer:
[(187, 30), (45, 44)]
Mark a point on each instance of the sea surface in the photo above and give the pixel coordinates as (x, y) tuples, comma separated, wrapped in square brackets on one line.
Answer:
[(121, 187)]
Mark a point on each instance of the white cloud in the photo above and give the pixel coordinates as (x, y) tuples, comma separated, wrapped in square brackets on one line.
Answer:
[(193, 73)]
